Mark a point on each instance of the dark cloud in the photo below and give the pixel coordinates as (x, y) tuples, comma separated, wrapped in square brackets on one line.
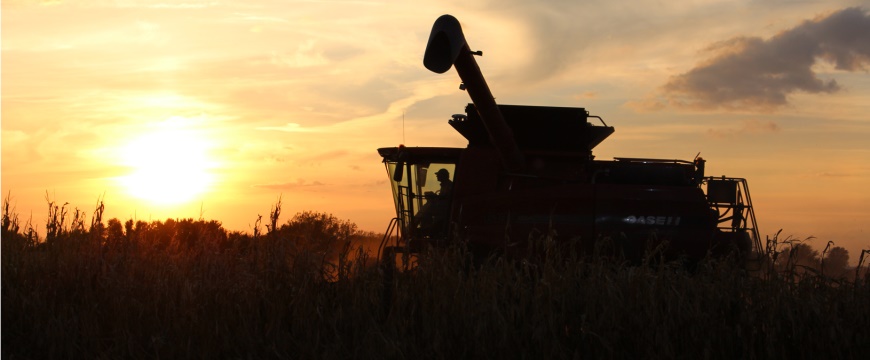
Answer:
[(756, 74)]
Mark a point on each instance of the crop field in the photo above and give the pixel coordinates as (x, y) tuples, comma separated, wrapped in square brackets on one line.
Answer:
[(309, 288)]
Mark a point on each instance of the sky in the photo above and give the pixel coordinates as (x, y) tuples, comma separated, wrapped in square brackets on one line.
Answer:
[(259, 100)]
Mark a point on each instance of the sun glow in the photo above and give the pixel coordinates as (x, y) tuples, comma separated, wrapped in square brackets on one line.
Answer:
[(170, 165)]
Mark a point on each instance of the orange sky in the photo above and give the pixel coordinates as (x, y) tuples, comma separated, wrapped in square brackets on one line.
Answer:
[(252, 100)]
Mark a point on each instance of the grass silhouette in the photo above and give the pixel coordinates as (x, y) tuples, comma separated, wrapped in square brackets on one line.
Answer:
[(307, 288)]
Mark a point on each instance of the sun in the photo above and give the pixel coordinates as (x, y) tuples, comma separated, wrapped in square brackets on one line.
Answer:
[(170, 165)]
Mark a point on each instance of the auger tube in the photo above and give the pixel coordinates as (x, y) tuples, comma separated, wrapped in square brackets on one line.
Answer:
[(447, 47)]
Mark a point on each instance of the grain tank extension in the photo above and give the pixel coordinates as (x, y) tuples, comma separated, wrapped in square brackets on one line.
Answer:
[(528, 173)]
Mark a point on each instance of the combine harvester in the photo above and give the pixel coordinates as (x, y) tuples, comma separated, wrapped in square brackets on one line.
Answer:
[(528, 174)]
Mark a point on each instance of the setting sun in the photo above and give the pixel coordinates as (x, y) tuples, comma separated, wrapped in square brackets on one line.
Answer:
[(168, 166)]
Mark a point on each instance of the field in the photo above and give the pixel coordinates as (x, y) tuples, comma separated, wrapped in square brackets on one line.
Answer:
[(307, 288)]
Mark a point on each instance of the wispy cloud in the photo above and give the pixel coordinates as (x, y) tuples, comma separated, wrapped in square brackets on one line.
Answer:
[(185, 5), (747, 127), (296, 185), (752, 73), (305, 56), (320, 158), (585, 95), (833, 175), (288, 127)]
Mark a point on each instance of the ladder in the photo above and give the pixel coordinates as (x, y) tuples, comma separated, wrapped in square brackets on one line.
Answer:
[(729, 197)]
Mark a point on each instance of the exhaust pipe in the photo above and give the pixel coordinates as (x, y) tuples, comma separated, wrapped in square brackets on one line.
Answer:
[(447, 47)]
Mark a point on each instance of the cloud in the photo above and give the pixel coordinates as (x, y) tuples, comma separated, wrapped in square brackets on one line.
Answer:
[(318, 159), (755, 74), (833, 175), (586, 95), (187, 5), (299, 184), (288, 127), (748, 127), (305, 56)]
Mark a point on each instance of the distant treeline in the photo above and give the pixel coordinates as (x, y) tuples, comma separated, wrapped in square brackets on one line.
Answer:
[(797, 256), (313, 233), (308, 288)]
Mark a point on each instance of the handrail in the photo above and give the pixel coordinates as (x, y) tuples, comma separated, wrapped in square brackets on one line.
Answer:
[(748, 207), (391, 227), (656, 161), (751, 209)]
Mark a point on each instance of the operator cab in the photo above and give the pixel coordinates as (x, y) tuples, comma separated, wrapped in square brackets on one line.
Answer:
[(422, 183)]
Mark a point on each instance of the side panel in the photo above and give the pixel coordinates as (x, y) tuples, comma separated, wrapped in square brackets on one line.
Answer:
[(518, 215), (639, 219), (620, 220), (520, 222)]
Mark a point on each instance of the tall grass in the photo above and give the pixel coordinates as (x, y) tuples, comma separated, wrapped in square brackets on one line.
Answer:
[(306, 289)]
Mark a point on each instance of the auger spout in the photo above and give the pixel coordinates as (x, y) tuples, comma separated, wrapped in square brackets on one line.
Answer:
[(447, 47)]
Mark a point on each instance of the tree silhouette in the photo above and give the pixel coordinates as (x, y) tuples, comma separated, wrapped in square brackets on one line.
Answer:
[(319, 232), (836, 261), (798, 257)]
